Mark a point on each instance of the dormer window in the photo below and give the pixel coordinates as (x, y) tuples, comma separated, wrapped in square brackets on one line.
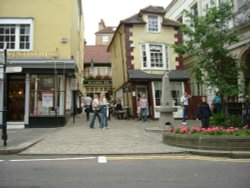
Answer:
[(153, 23)]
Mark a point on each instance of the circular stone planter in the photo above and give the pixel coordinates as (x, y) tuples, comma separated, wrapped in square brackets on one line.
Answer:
[(208, 142)]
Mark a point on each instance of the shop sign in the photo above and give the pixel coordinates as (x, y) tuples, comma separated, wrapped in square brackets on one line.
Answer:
[(74, 84), (13, 69)]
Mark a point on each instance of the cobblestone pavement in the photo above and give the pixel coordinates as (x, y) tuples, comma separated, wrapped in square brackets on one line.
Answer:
[(122, 137)]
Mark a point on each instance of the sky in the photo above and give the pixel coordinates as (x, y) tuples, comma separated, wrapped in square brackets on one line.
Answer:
[(112, 12)]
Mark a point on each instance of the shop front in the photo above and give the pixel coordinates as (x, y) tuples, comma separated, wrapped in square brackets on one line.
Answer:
[(41, 94)]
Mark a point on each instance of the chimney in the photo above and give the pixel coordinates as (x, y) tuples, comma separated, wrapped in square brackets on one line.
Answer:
[(101, 25)]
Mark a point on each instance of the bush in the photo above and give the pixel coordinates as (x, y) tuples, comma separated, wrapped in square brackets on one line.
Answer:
[(220, 119)]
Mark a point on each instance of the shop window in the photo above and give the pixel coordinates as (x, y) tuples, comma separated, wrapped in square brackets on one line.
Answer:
[(47, 95)]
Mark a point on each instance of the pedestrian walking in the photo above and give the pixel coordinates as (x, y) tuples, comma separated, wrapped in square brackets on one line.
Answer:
[(87, 106), (95, 106), (204, 112), (143, 104), (184, 103), (103, 104)]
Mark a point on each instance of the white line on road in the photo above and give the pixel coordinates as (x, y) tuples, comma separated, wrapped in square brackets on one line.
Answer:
[(102, 159), (56, 159)]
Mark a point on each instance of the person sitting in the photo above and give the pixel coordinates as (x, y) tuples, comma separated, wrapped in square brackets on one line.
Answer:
[(119, 109)]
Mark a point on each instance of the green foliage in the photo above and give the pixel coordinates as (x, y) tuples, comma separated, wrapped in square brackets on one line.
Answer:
[(233, 121), (217, 119), (206, 37), (220, 119)]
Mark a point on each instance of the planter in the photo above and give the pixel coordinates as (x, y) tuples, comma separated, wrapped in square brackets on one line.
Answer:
[(208, 142)]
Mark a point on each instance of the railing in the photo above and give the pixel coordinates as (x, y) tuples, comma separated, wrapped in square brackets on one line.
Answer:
[(242, 110)]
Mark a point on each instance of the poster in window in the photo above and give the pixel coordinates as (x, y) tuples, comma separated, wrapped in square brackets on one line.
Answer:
[(47, 100)]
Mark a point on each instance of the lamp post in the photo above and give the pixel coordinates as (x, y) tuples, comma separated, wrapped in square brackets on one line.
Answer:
[(4, 111)]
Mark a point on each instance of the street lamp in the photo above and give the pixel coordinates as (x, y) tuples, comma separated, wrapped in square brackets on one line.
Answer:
[(4, 111)]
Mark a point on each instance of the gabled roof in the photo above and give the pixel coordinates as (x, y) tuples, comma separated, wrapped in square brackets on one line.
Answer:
[(106, 30), (97, 54), (153, 10), (137, 18)]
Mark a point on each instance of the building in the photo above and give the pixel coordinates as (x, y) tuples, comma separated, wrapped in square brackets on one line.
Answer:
[(45, 39), (97, 70), (141, 54), (104, 34), (241, 49), (97, 63)]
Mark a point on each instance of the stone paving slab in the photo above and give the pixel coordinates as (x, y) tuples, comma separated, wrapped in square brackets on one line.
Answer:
[(123, 137)]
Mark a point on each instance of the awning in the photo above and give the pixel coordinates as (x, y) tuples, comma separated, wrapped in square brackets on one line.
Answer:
[(44, 65), (141, 75)]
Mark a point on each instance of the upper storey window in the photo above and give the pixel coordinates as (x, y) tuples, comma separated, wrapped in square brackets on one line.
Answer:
[(153, 23), (17, 33), (154, 56)]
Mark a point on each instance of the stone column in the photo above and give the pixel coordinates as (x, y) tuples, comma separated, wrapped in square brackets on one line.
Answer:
[(166, 119)]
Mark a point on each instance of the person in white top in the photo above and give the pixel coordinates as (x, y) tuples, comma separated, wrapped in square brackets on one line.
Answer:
[(95, 106), (184, 102)]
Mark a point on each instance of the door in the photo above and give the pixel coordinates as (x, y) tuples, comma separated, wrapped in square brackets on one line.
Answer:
[(16, 97)]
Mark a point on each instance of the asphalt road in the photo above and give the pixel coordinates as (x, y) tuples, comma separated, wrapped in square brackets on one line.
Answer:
[(159, 171)]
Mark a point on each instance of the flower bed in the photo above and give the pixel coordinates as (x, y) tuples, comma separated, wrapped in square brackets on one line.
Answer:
[(231, 131), (215, 138)]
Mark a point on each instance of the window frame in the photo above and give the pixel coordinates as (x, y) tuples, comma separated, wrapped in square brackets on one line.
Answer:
[(146, 56), (18, 23), (150, 27)]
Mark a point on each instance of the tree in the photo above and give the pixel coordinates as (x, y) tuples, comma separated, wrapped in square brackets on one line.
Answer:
[(207, 38)]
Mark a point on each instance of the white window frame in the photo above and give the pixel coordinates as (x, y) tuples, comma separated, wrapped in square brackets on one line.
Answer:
[(145, 50), (105, 39), (153, 26), (17, 23)]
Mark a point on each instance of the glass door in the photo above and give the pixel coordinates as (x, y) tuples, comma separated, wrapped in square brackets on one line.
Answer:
[(16, 97)]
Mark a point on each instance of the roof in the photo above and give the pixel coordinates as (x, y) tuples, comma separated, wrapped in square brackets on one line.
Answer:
[(97, 54), (173, 75), (106, 30), (137, 18)]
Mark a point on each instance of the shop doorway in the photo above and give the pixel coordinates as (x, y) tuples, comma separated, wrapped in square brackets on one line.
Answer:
[(16, 97)]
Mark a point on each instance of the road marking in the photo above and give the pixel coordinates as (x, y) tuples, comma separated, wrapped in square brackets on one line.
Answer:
[(102, 159), (56, 159), (204, 158)]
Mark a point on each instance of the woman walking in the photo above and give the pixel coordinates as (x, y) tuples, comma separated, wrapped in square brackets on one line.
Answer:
[(143, 104), (95, 106), (103, 104)]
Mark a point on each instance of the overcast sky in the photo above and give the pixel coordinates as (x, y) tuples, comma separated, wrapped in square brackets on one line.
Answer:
[(112, 12)]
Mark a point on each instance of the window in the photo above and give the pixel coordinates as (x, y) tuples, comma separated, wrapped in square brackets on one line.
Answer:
[(17, 33), (154, 56), (194, 9), (176, 92), (46, 95), (158, 92), (153, 24), (105, 39)]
